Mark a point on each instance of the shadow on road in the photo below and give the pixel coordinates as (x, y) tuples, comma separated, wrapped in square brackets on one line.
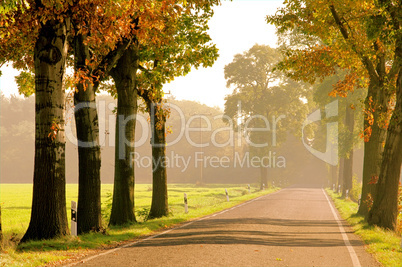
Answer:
[(226, 232)]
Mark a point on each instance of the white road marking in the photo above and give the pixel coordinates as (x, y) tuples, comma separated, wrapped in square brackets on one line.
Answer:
[(352, 252)]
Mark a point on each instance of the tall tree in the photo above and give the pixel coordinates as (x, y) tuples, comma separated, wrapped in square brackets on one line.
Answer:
[(265, 100), (189, 46), (49, 190), (350, 117), (89, 154), (348, 167), (124, 76), (90, 69), (44, 49), (384, 212), (159, 204), (165, 46)]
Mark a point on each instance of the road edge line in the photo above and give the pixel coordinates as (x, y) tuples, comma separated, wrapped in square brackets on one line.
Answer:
[(352, 252)]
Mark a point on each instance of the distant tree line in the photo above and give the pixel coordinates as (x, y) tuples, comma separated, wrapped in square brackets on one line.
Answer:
[(17, 138)]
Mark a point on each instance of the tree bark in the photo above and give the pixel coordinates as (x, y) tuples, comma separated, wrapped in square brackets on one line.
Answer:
[(48, 214), (124, 76), (374, 147), (384, 212), (89, 155), (159, 206), (348, 160)]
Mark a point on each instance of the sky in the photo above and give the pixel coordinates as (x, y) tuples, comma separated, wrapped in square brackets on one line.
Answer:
[(235, 27)]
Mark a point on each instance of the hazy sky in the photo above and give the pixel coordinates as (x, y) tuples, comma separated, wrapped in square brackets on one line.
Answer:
[(235, 27)]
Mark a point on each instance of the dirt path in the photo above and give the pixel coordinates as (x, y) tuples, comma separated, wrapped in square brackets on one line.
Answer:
[(293, 227)]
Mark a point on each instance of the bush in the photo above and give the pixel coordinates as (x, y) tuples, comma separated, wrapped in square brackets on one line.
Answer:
[(142, 214)]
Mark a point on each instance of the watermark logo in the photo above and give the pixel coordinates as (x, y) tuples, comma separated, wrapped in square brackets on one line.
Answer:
[(201, 160), (265, 128), (330, 155)]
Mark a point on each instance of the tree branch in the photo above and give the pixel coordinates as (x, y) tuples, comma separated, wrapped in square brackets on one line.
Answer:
[(365, 60), (397, 62), (144, 94), (110, 60)]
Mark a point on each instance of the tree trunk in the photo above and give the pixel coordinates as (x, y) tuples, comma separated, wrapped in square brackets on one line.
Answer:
[(89, 156), (263, 177), (384, 212), (48, 214), (377, 96), (348, 160), (124, 76), (333, 174), (341, 173), (374, 147), (159, 206), (1, 234), (347, 174)]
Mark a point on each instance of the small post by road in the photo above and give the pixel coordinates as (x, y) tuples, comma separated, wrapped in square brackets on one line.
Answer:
[(333, 187), (347, 193), (249, 189), (73, 218), (339, 189), (227, 195), (185, 203)]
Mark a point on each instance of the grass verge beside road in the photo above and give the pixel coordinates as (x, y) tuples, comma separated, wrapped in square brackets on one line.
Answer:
[(384, 245), (16, 203)]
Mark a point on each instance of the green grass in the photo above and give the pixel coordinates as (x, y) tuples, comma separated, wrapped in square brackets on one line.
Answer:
[(383, 244), (16, 201)]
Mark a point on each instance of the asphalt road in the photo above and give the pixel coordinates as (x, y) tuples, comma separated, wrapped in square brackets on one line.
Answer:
[(296, 226)]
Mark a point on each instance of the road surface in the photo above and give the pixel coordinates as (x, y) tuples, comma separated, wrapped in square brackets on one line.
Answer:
[(296, 226)]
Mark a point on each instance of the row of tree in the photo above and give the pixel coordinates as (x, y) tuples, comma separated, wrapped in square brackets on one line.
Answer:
[(263, 92), (363, 40), (141, 45)]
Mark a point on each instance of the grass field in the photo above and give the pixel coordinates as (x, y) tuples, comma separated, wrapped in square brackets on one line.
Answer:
[(384, 245), (16, 201)]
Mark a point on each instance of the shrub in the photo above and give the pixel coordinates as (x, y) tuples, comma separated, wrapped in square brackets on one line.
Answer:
[(142, 214)]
